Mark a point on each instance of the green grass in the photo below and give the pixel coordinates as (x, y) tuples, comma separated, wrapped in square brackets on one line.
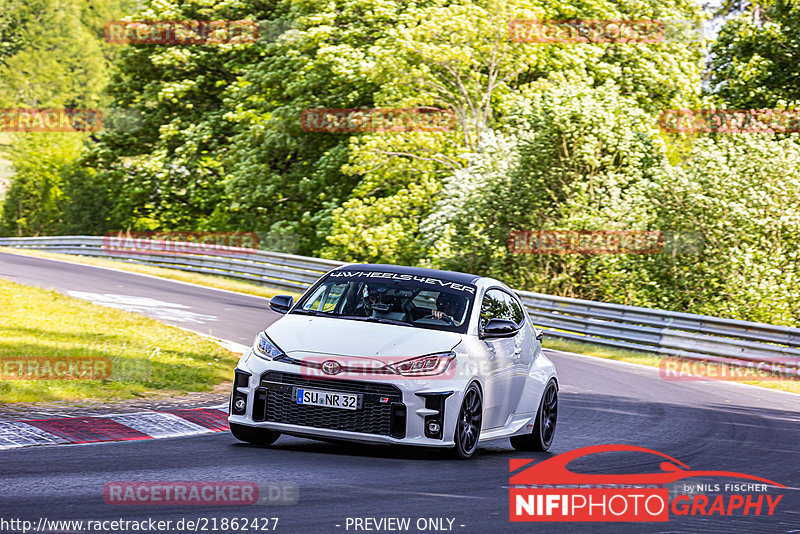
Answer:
[(644, 358), (148, 358), (654, 360), (219, 282)]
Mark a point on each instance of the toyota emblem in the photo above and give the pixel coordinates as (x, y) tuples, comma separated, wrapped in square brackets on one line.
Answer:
[(330, 367)]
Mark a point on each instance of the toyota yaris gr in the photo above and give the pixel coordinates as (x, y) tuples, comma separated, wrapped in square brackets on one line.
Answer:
[(398, 355)]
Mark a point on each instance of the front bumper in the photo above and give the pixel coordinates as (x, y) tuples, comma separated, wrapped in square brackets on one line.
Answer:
[(390, 411)]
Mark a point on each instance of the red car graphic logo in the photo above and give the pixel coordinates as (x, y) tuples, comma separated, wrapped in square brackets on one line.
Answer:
[(553, 471)]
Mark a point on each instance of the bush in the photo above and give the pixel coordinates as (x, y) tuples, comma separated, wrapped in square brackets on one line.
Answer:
[(574, 157), (35, 199)]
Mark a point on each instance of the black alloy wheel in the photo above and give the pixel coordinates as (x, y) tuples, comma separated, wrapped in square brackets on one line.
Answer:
[(541, 438), (468, 424)]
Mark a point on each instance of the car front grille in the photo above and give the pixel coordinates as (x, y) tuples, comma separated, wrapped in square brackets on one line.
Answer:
[(274, 401)]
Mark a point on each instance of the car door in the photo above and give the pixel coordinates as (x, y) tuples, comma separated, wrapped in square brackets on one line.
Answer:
[(524, 353), (502, 356)]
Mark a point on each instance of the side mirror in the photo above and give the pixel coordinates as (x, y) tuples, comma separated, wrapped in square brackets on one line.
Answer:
[(281, 303), (499, 328), (539, 334)]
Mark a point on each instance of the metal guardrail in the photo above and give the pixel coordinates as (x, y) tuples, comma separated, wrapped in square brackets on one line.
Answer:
[(285, 271), (676, 334)]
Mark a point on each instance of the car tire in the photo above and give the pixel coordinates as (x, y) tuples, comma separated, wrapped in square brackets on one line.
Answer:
[(468, 423), (544, 430), (256, 436)]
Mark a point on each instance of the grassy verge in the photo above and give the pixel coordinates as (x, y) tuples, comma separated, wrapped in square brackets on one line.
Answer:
[(645, 358), (219, 282), (148, 358)]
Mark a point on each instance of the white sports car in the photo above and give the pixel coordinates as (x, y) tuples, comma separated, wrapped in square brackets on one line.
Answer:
[(399, 355)]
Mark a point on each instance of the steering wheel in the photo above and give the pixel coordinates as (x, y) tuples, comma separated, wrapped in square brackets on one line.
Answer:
[(443, 318)]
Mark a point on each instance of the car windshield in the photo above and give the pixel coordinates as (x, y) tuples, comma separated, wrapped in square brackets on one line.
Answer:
[(392, 298)]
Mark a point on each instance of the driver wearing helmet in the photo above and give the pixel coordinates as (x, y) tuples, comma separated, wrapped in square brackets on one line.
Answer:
[(450, 308), (368, 298), (372, 298)]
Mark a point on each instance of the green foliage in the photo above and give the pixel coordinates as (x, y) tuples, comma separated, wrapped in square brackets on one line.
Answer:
[(34, 202), (279, 177), (49, 58), (458, 56), (755, 59), (575, 157), (384, 230), (10, 34), (88, 210), (52, 55), (584, 158), (657, 75), (165, 165), (742, 194)]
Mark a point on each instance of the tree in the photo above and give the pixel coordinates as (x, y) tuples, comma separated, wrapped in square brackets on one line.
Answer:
[(51, 59), (741, 193), (459, 56), (280, 178), (51, 56), (575, 157), (34, 201), (755, 59), (166, 163)]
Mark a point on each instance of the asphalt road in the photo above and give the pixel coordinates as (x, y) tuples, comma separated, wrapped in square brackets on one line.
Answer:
[(709, 426), (233, 316)]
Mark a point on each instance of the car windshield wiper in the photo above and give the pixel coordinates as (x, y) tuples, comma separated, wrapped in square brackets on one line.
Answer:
[(315, 313), (371, 319)]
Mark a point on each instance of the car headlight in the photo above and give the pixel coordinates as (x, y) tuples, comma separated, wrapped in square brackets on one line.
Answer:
[(428, 365), (265, 348)]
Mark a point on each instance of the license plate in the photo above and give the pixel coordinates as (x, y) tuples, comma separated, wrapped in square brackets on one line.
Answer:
[(329, 399)]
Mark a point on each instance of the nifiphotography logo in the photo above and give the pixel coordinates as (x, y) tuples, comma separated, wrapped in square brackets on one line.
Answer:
[(548, 491)]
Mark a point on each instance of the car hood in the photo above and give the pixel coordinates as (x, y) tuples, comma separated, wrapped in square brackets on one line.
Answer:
[(344, 337)]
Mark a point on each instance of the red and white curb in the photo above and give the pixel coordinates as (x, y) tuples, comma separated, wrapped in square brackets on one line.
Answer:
[(120, 427), (116, 427)]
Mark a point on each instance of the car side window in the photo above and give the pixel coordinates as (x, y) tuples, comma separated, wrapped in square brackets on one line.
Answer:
[(493, 306), (498, 304), (325, 298), (517, 313)]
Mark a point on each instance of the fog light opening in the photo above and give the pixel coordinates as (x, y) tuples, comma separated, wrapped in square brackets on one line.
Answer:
[(239, 405), (433, 423)]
